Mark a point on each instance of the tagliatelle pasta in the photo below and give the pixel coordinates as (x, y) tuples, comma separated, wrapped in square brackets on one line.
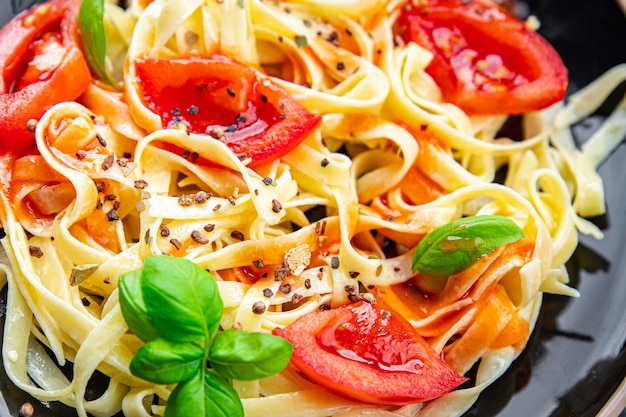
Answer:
[(389, 161)]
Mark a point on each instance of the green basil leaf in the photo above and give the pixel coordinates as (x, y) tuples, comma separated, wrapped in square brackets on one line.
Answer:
[(457, 245), (204, 396), (133, 307), (164, 361), (93, 37), (238, 354), (182, 299)]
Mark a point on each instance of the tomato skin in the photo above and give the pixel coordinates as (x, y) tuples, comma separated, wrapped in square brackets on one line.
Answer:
[(42, 65), (485, 60), (369, 353), (219, 97)]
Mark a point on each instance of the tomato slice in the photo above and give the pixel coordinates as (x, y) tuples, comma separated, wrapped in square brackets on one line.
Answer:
[(367, 352), (226, 100), (42, 65), (485, 60)]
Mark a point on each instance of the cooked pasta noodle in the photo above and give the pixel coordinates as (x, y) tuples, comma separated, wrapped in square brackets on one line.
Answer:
[(389, 162)]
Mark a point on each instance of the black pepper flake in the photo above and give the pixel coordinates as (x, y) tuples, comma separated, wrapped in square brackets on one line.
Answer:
[(107, 280), (348, 32), (217, 207), (209, 227), (3, 233), (231, 201), (353, 298), (258, 307), (176, 243), (324, 307), (423, 127), (201, 197), (141, 184), (285, 288), (112, 215), (175, 111), (85, 301), (199, 238), (99, 204), (116, 205), (35, 251), (296, 298), (193, 110), (186, 200), (185, 154), (31, 125), (110, 197), (164, 231), (263, 98), (386, 314), (127, 155), (353, 274), (241, 156), (80, 154), (194, 157), (307, 283), (276, 206), (240, 118), (258, 263), (282, 116), (341, 65), (231, 128), (334, 262), (268, 293), (231, 92), (396, 269), (281, 273), (108, 162), (325, 162), (267, 181), (101, 140), (350, 289), (100, 186), (236, 234)]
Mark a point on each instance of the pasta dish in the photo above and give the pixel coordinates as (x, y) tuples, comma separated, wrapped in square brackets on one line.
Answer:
[(305, 153)]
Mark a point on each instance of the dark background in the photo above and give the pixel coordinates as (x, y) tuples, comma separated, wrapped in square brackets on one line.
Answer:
[(576, 356)]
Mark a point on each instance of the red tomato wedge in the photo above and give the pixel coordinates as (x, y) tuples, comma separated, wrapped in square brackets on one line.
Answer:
[(227, 100), (42, 65), (485, 60), (367, 352)]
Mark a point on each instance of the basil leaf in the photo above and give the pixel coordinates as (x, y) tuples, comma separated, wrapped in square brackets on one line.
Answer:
[(203, 397), (238, 354), (163, 361), (133, 308), (457, 245), (93, 37), (182, 299)]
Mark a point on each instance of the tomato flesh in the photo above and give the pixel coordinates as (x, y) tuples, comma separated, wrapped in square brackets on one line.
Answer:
[(485, 60), (42, 65), (369, 353), (226, 100)]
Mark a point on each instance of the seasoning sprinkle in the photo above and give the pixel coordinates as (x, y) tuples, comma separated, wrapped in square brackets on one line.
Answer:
[(325, 162), (164, 231), (140, 184), (31, 125), (108, 162), (267, 181), (231, 200), (199, 238), (35, 251), (296, 298), (268, 293), (217, 207), (334, 262), (193, 110), (276, 206), (176, 243), (341, 65), (324, 307), (285, 288), (112, 215), (258, 307), (209, 227), (99, 186), (80, 154), (186, 200), (307, 283), (231, 128), (353, 274), (258, 263), (236, 234), (85, 301), (231, 92), (201, 197), (281, 273), (101, 140)]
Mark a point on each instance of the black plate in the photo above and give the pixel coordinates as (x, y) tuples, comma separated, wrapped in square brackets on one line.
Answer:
[(576, 357)]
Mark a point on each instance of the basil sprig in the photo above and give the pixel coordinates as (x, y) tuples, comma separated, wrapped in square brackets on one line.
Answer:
[(455, 246), (174, 306), (93, 37)]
